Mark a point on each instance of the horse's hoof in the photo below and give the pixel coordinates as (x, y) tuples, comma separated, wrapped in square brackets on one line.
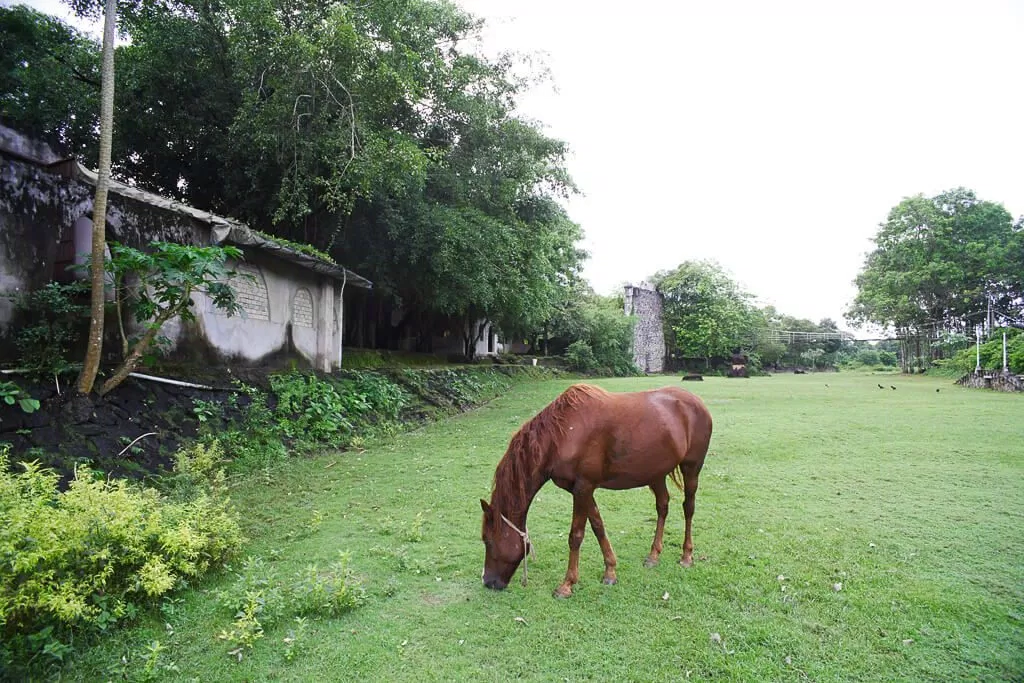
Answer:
[(609, 582), (562, 594), (686, 562), (650, 563)]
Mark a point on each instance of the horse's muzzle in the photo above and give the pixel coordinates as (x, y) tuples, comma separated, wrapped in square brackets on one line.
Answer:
[(495, 583)]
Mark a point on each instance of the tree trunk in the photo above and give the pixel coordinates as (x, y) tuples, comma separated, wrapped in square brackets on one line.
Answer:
[(94, 350), (132, 361)]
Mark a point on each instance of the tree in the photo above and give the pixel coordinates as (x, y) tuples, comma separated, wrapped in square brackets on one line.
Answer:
[(99, 207), (705, 312), (938, 265), (49, 80), (364, 129), (170, 274)]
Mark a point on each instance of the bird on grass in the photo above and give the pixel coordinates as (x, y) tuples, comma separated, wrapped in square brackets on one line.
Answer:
[(880, 386), (892, 387), (937, 390)]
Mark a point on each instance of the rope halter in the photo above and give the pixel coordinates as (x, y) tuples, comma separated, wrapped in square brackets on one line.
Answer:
[(527, 546)]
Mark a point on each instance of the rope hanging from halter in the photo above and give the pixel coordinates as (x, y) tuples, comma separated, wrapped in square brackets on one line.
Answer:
[(527, 546)]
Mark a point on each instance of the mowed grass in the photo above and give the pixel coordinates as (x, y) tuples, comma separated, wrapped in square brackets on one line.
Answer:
[(912, 500)]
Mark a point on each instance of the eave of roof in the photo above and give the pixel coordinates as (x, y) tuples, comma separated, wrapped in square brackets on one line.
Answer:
[(228, 230)]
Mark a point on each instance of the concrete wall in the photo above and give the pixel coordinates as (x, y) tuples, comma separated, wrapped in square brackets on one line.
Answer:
[(285, 309), (645, 303)]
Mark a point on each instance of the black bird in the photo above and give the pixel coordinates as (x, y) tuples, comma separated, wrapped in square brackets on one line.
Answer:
[(826, 386), (892, 387), (937, 391), (880, 386)]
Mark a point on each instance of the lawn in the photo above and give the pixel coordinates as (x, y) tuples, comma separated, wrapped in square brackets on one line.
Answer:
[(844, 532)]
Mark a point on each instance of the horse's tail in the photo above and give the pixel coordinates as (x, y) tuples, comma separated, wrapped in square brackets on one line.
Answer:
[(676, 475)]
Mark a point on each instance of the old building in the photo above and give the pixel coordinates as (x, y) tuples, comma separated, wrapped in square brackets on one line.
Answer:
[(292, 301)]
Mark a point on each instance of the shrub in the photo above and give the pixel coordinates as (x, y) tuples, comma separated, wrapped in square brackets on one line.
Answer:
[(52, 326), (868, 357), (580, 357), (82, 560)]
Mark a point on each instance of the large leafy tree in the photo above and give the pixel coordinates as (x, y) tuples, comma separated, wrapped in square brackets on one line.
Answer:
[(49, 79), (706, 313), (939, 264), (365, 129)]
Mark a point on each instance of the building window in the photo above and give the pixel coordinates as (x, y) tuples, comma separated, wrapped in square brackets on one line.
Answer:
[(250, 292), (302, 308)]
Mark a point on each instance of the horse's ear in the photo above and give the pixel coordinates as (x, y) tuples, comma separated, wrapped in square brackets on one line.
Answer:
[(486, 508)]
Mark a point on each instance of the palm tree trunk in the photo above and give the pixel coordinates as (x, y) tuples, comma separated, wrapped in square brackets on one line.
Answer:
[(99, 208)]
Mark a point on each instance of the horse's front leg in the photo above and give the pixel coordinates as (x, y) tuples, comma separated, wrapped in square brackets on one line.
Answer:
[(580, 510), (597, 524)]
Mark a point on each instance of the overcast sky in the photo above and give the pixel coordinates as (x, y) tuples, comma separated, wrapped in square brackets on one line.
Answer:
[(772, 137)]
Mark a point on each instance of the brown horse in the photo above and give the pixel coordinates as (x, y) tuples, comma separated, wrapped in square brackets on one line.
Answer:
[(588, 439)]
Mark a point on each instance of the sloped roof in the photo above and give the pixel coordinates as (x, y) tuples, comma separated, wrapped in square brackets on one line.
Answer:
[(228, 230), (222, 230)]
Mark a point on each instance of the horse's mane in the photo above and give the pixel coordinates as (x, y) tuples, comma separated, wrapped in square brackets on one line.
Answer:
[(527, 451)]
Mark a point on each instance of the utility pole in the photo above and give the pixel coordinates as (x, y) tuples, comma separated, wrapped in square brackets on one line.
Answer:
[(977, 337), (1004, 352)]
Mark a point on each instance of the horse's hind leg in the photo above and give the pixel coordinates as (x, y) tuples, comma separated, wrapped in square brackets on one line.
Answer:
[(690, 476), (661, 498), (597, 524)]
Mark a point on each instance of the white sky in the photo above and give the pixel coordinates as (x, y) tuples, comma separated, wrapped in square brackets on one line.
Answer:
[(772, 137)]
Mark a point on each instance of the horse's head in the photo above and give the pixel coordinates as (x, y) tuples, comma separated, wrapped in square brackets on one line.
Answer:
[(504, 549)]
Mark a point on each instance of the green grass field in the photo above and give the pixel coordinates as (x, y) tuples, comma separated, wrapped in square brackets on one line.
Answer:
[(912, 500)]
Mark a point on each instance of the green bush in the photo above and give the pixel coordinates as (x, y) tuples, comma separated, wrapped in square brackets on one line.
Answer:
[(868, 357), (52, 324), (80, 561), (580, 357), (991, 354)]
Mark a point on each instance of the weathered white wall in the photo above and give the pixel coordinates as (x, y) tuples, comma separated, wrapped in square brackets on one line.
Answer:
[(270, 321)]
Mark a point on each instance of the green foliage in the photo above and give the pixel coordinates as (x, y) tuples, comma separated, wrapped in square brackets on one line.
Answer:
[(80, 561), (11, 393), (705, 312), (364, 129), (868, 357), (888, 358), (171, 273), (49, 80), (940, 260), (260, 598), (52, 317), (991, 354), (309, 408), (580, 357), (306, 249), (596, 335)]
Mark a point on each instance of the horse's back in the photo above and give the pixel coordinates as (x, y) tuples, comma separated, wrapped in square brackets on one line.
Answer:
[(624, 440)]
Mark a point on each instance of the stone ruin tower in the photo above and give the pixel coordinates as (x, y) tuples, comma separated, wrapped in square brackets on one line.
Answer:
[(644, 302)]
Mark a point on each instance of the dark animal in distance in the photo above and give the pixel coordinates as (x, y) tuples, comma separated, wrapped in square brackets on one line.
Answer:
[(880, 386), (892, 387), (587, 439)]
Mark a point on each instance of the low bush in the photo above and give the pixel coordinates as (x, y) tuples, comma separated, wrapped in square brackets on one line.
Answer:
[(78, 562)]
